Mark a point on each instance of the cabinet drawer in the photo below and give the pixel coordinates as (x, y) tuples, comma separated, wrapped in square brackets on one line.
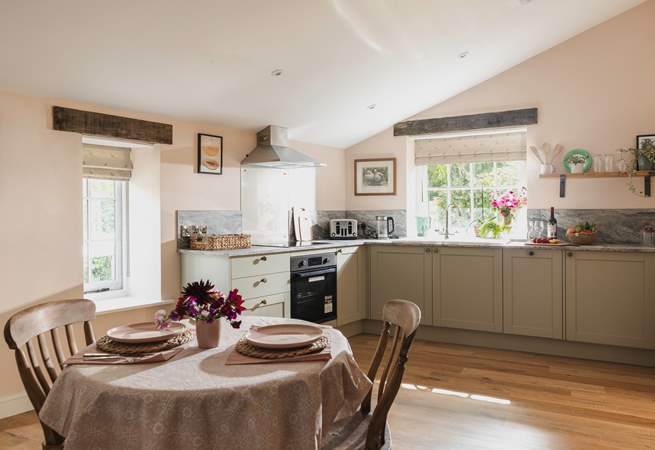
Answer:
[(248, 266), (275, 306), (251, 287)]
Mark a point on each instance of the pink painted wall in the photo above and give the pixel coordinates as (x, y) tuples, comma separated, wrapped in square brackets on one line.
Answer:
[(41, 207), (593, 91)]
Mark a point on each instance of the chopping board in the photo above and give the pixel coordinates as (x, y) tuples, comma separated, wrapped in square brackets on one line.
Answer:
[(302, 224)]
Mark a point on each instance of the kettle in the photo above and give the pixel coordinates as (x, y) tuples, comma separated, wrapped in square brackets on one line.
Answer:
[(385, 226)]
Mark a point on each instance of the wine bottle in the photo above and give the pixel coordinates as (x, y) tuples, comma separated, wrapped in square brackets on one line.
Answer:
[(552, 225)]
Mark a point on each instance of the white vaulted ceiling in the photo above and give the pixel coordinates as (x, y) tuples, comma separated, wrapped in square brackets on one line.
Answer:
[(211, 60)]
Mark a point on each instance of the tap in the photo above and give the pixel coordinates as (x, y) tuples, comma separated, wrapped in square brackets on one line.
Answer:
[(446, 234)]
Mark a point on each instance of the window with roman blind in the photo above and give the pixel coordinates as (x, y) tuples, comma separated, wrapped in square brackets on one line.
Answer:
[(106, 173), (463, 173)]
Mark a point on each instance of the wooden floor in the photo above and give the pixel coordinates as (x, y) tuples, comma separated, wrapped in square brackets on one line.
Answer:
[(457, 397)]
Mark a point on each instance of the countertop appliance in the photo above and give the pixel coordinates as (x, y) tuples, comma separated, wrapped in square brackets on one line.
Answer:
[(385, 226), (343, 229), (314, 287)]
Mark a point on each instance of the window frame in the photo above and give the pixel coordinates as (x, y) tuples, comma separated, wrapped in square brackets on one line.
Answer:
[(425, 190), (119, 284)]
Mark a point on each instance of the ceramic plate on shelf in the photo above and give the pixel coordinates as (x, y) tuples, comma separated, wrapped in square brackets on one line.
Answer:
[(581, 152), (138, 333), (283, 336)]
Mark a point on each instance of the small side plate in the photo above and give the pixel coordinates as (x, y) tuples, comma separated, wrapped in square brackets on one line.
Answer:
[(283, 336), (138, 333)]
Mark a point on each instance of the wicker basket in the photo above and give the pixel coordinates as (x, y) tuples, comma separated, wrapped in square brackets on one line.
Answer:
[(198, 245), (582, 239), (227, 241), (222, 242)]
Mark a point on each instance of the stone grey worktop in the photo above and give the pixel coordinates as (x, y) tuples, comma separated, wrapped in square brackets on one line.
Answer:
[(327, 245)]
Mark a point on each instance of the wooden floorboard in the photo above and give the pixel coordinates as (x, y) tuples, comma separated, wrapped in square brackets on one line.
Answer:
[(543, 402)]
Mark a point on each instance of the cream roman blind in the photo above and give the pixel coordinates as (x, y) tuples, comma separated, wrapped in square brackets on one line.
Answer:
[(99, 161), (505, 146)]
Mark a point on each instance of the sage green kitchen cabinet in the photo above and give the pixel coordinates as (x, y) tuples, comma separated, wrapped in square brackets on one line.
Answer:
[(351, 277), (467, 286), (401, 272), (533, 293), (610, 298)]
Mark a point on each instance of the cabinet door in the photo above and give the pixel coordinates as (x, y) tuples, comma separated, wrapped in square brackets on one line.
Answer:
[(610, 298), (401, 272), (467, 288), (532, 293), (349, 296)]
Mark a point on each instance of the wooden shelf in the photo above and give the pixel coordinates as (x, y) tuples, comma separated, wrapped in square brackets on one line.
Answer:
[(563, 176), (641, 173)]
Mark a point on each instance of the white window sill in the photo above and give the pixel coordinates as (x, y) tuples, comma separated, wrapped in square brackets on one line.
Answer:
[(112, 305)]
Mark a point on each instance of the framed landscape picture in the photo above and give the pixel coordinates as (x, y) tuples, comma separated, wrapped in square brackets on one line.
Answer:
[(375, 176), (210, 154)]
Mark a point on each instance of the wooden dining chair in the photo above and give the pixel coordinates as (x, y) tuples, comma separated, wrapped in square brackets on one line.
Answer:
[(35, 324), (370, 431)]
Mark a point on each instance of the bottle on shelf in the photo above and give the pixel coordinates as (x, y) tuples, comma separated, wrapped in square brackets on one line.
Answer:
[(551, 228)]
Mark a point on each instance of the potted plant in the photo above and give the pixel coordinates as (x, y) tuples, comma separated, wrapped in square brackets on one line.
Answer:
[(576, 163), (207, 306), (505, 206), (643, 159)]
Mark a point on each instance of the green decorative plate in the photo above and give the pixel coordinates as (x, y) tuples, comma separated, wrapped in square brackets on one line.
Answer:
[(578, 151)]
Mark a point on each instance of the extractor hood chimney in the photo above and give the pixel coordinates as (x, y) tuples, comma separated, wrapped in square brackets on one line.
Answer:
[(272, 151)]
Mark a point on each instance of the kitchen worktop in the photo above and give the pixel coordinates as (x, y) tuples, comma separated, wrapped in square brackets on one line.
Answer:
[(484, 243)]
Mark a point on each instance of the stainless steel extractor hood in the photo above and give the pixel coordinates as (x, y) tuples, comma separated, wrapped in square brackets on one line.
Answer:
[(273, 151)]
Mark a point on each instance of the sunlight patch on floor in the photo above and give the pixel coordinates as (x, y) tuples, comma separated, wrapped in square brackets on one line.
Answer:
[(439, 391)]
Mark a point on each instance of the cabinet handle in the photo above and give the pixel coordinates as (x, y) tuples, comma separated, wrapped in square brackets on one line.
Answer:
[(569, 254), (427, 250), (531, 253), (338, 251), (263, 258), (263, 280)]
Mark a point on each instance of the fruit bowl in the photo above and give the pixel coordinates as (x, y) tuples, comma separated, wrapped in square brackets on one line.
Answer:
[(582, 238), (582, 234)]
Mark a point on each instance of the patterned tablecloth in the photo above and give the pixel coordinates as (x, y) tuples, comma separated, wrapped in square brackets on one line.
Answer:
[(196, 401)]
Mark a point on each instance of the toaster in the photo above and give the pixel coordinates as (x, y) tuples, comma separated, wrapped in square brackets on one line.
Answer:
[(343, 229)]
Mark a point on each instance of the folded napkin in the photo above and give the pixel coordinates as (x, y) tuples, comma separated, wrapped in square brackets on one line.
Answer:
[(112, 359)]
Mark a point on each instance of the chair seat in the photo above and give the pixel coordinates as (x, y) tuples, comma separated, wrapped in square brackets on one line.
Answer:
[(350, 434)]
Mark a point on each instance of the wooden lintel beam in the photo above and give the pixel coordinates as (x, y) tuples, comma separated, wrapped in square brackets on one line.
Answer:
[(514, 117), (98, 124)]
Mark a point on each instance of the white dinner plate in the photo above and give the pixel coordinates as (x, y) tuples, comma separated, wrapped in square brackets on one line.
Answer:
[(137, 333), (283, 336)]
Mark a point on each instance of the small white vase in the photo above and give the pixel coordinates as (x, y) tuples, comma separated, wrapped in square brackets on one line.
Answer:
[(577, 168)]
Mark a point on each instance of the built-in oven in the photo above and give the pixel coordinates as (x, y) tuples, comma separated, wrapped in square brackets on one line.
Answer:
[(314, 287)]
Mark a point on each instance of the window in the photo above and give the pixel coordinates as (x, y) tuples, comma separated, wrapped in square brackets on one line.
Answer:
[(467, 189), (104, 234)]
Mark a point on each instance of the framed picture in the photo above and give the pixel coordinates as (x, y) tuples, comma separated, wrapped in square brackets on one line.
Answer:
[(375, 176), (210, 154), (643, 138)]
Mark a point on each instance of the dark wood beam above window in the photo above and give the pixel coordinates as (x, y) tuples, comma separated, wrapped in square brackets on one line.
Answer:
[(98, 124), (462, 123)]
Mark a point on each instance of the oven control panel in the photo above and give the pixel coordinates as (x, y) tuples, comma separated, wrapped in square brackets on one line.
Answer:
[(310, 262)]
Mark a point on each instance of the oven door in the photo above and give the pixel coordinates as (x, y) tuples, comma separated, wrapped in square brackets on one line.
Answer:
[(314, 295)]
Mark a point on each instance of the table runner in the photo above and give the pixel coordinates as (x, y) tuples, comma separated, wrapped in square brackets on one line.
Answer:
[(196, 401)]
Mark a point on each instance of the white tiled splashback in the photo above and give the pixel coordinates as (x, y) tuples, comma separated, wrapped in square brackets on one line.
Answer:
[(267, 196)]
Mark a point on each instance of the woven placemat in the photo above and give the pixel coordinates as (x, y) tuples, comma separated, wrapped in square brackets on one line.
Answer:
[(107, 345), (247, 349)]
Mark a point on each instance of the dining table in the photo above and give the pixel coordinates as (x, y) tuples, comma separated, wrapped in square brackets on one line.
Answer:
[(196, 400)]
